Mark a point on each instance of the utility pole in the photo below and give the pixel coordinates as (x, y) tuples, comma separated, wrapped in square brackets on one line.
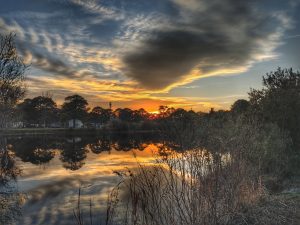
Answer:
[(110, 108)]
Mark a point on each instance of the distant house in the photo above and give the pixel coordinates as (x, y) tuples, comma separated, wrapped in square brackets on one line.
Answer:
[(17, 124), (55, 125), (74, 140), (75, 123), (96, 125)]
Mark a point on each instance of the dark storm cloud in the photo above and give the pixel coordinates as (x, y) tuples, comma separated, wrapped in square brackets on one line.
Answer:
[(210, 35)]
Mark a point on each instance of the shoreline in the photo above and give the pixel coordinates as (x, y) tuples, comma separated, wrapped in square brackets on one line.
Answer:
[(66, 131)]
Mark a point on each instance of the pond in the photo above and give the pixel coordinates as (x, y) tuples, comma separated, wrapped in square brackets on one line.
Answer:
[(54, 167)]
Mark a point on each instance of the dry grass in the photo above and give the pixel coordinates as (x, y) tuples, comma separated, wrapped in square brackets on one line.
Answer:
[(196, 188), (188, 188)]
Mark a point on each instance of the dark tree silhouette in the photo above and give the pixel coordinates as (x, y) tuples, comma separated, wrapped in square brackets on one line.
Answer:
[(40, 110), (125, 114), (75, 107), (100, 115), (240, 106), (27, 112), (12, 69)]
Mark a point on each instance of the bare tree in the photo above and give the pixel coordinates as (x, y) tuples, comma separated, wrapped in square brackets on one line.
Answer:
[(12, 70)]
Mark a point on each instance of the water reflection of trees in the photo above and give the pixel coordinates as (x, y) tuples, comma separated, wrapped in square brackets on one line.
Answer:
[(73, 153), (39, 150), (101, 145), (126, 142), (34, 150), (10, 199), (8, 169)]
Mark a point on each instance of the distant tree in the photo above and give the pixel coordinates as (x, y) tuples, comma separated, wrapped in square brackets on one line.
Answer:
[(27, 112), (41, 110), (75, 107), (179, 114), (100, 115), (162, 110), (240, 106), (125, 114), (45, 110), (165, 111), (181, 127), (12, 69), (140, 115)]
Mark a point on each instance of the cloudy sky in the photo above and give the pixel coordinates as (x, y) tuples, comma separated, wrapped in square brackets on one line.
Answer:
[(140, 53)]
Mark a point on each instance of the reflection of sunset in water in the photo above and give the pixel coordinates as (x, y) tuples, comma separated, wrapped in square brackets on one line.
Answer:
[(96, 164), (52, 187)]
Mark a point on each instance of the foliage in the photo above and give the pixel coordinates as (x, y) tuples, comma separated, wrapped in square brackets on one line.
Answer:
[(41, 110), (100, 115), (266, 146), (75, 107), (240, 106), (279, 103), (12, 69)]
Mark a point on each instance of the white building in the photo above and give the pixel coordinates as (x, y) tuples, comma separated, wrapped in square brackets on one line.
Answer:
[(75, 123)]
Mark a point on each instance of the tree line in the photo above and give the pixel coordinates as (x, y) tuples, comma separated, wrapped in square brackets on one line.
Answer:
[(43, 111)]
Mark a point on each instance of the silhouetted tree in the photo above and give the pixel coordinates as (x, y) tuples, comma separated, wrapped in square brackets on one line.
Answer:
[(140, 115), (42, 110), (75, 107), (165, 111), (125, 114), (45, 108), (240, 106), (12, 69), (27, 112), (100, 115)]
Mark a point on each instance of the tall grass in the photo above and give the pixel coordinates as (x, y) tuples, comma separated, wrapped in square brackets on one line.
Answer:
[(194, 187), (197, 186)]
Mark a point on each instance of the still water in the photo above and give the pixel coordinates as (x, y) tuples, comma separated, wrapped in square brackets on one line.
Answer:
[(53, 168)]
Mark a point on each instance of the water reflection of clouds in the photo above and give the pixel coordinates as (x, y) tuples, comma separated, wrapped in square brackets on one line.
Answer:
[(56, 204), (52, 189)]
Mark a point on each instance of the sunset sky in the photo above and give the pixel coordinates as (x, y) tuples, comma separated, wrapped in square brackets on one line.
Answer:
[(144, 53)]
